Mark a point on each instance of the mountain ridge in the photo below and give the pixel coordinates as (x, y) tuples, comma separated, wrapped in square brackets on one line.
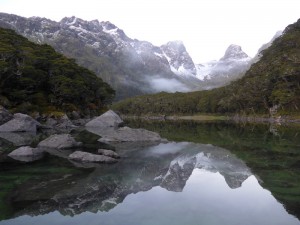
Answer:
[(271, 87), (124, 63), (130, 66)]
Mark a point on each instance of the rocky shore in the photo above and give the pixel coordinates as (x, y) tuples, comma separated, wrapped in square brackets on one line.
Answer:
[(60, 142)]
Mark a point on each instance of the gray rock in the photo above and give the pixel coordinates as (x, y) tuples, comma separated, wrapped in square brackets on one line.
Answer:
[(61, 123), (64, 122), (108, 119), (20, 123), (127, 134), (51, 122), (20, 138), (5, 115), (108, 153), (80, 122), (89, 157), (58, 152), (75, 115), (26, 154), (59, 141)]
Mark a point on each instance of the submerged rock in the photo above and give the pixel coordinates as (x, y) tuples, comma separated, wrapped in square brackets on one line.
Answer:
[(59, 141), (89, 157), (26, 154), (108, 153), (127, 134), (108, 119), (20, 123)]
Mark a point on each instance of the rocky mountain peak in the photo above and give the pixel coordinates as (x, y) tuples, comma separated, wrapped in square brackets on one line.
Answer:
[(234, 52), (113, 30), (176, 46), (108, 25), (80, 24), (68, 20), (180, 61), (230, 67)]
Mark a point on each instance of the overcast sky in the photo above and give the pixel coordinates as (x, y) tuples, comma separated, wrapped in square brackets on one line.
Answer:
[(206, 27)]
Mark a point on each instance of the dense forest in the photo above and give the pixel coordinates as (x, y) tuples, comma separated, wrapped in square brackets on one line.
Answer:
[(270, 86), (35, 78)]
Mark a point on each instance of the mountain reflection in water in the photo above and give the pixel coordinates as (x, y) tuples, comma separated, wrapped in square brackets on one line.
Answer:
[(169, 183)]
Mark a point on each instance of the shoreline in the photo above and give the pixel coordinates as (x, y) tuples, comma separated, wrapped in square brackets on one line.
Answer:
[(236, 118)]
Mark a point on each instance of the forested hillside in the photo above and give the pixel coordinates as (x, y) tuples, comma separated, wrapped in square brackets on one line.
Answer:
[(36, 78), (270, 85)]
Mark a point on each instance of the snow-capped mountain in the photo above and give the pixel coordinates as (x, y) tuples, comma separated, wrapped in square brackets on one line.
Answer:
[(231, 66), (130, 66), (179, 59), (126, 64)]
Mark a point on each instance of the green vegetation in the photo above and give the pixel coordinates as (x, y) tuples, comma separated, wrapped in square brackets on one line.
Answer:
[(272, 82), (36, 78)]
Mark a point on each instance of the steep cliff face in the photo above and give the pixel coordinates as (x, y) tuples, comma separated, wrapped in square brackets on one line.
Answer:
[(179, 59)]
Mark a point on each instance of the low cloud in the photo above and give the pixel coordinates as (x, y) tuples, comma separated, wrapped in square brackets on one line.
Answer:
[(158, 84)]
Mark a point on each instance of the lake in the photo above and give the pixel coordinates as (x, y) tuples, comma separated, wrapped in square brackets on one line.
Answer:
[(208, 173)]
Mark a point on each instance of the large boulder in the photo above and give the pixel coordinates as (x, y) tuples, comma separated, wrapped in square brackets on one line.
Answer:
[(59, 141), (26, 154), (108, 119), (89, 157), (5, 115), (127, 134), (20, 123), (108, 153), (19, 138)]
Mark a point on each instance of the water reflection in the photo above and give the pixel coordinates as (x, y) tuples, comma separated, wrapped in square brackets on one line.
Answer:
[(272, 156), (171, 183)]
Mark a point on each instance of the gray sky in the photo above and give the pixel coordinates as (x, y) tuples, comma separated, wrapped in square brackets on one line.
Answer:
[(207, 27)]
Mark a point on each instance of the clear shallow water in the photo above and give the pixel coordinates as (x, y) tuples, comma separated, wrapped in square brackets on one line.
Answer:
[(173, 183)]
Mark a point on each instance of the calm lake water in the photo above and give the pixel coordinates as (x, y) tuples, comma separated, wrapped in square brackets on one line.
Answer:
[(208, 174)]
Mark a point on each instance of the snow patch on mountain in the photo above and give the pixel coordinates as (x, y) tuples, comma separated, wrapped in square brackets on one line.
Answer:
[(231, 66), (73, 22), (179, 60)]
